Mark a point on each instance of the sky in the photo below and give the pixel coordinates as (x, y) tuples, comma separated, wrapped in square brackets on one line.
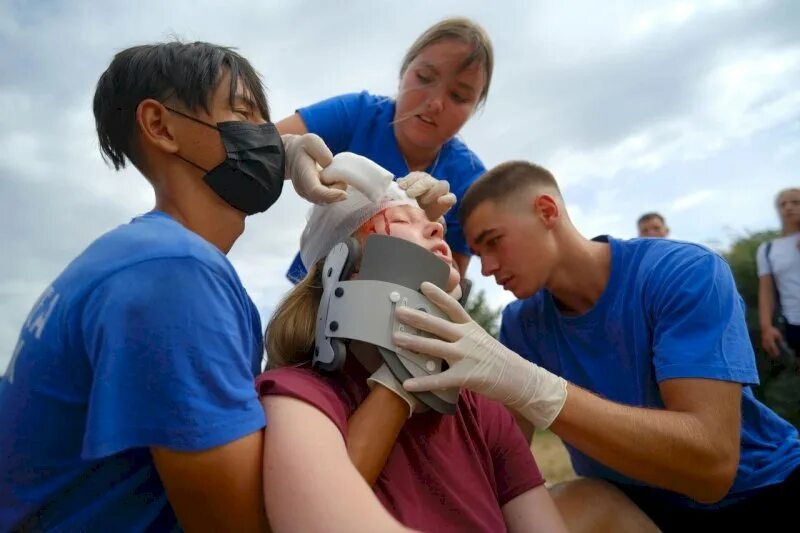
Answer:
[(691, 109)]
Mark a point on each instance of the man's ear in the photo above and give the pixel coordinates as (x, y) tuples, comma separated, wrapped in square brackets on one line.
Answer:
[(547, 209), (156, 126)]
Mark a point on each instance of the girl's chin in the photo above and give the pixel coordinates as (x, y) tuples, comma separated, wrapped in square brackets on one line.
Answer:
[(453, 280)]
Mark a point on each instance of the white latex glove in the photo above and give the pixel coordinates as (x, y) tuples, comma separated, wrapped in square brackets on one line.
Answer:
[(363, 174), (456, 293), (306, 155), (479, 362), (432, 195), (385, 377)]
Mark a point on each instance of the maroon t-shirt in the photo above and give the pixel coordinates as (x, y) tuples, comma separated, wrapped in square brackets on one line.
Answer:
[(445, 472)]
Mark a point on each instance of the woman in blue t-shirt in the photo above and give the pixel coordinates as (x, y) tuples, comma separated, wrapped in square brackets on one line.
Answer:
[(444, 77)]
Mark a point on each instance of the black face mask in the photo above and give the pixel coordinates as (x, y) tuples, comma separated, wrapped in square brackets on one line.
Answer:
[(251, 177)]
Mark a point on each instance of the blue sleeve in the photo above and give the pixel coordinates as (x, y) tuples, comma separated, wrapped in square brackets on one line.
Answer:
[(297, 271), (335, 119), (699, 328), (468, 169), (171, 346)]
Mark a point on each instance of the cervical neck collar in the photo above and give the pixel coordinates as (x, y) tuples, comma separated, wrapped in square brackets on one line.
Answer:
[(389, 276)]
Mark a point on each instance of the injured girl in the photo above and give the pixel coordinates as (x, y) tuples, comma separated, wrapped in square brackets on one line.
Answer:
[(470, 470)]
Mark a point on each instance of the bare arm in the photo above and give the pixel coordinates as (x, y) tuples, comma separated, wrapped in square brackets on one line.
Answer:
[(309, 482), (218, 489), (533, 510), (372, 431), (770, 335), (690, 447), (292, 124)]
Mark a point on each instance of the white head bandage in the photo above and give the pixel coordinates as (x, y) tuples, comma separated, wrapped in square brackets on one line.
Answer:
[(370, 190), (331, 224)]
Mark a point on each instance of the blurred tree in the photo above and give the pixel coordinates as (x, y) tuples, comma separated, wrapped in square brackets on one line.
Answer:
[(780, 384), (482, 313)]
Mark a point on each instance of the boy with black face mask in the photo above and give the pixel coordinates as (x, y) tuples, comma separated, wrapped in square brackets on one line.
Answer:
[(129, 398)]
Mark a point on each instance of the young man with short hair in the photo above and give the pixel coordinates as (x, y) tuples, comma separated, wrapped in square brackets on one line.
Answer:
[(635, 353), (129, 398)]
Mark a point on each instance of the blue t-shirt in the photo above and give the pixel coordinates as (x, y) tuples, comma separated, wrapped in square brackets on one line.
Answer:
[(670, 310), (147, 338), (362, 123)]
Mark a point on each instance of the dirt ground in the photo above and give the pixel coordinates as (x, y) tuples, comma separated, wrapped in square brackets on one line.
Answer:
[(552, 457)]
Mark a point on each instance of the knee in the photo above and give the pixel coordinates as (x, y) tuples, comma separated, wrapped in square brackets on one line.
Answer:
[(596, 505)]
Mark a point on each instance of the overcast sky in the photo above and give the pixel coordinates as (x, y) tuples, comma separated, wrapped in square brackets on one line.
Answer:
[(688, 108)]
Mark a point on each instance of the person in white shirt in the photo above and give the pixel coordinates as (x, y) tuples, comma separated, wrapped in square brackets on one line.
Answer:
[(778, 264)]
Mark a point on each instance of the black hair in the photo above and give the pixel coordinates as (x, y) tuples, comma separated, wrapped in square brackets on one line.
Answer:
[(189, 72)]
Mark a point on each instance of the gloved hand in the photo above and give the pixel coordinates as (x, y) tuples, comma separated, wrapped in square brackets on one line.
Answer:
[(456, 293), (479, 362), (306, 155), (432, 195), (363, 174), (385, 377)]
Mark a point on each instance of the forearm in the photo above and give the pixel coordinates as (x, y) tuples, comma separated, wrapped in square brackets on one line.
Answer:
[(292, 124), (669, 449), (373, 429), (766, 303)]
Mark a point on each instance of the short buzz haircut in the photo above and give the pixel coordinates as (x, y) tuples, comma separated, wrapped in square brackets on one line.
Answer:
[(503, 182), (188, 72), (648, 216)]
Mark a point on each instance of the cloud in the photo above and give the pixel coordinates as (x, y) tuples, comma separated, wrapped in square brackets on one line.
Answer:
[(691, 200)]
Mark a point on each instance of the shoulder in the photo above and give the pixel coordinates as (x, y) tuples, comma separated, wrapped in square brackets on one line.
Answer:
[(153, 236), (665, 257), (326, 393), (764, 249), (352, 102), (172, 295), (143, 256), (676, 277)]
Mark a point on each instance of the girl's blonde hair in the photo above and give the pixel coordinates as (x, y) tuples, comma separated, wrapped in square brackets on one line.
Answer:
[(289, 338), (464, 30), (290, 332)]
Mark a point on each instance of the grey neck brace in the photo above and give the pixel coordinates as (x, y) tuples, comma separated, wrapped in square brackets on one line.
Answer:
[(362, 309)]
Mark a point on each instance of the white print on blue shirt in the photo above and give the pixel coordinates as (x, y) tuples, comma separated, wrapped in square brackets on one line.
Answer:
[(34, 325)]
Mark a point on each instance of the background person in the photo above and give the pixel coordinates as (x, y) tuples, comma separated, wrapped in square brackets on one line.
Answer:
[(652, 225), (778, 263)]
